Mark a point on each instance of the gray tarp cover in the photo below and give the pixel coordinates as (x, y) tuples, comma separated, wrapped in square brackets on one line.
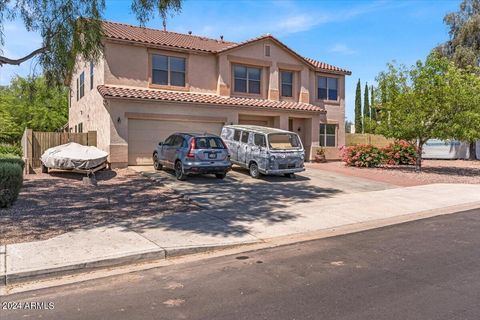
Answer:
[(73, 156)]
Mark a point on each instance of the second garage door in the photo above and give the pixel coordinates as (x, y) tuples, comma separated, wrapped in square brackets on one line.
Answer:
[(144, 135)]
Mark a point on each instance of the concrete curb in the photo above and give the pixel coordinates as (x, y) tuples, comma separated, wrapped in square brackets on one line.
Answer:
[(88, 266)]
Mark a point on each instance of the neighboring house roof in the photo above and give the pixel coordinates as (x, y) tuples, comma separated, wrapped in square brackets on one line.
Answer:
[(120, 31), (188, 97)]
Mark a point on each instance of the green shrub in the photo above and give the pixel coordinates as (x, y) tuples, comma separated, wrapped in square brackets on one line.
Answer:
[(362, 155), (11, 149), (11, 158), (11, 179)]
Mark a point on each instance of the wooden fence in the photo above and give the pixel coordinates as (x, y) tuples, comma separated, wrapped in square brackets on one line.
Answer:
[(352, 139), (34, 144)]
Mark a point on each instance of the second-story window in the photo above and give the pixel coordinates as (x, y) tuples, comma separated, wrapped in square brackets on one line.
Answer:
[(246, 79), (91, 75), (168, 71), (78, 90), (327, 88), (286, 78), (82, 84)]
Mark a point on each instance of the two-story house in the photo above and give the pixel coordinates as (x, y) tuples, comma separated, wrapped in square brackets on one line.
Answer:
[(151, 83)]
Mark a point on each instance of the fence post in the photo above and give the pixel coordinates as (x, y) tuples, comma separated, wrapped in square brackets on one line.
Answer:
[(92, 138), (28, 150)]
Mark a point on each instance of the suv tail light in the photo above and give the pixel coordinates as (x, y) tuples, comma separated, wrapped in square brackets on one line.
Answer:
[(190, 153)]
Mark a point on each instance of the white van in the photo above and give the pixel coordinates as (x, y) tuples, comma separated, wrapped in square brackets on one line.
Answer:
[(264, 150)]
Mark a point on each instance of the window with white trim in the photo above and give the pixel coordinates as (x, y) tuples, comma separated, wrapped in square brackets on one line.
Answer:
[(168, 71), (246, 79), (328, 135), (327, 88)]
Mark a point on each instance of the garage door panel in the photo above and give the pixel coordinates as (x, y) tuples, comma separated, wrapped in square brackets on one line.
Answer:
[(144, 135)]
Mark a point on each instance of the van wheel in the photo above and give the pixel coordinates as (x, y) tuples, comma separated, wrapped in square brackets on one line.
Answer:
[(254, 173), (44, 169), (156, 164), (179, 174)]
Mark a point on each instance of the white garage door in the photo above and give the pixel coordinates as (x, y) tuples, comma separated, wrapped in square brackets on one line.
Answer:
[(144, 135)]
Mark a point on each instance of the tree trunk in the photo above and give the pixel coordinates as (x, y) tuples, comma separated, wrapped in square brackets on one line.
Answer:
[(472, 150), (418, 161)]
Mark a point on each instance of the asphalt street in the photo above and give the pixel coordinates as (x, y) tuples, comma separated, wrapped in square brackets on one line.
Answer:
[(427, 269)]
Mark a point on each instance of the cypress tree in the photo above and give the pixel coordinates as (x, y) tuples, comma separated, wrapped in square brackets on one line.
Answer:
[(373, 111), (358, 109), (366, 109)]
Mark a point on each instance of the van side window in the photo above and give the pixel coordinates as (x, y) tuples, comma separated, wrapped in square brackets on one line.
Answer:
[(245, 136), (236, 135), (259, 140)]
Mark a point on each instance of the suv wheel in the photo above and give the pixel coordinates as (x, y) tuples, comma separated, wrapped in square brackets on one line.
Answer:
[(179, 171), (220, 175), (254, 173), (156, 163)]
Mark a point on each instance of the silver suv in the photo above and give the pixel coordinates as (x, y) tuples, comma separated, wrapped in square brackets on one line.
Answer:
[(264, 150), (191, 153)]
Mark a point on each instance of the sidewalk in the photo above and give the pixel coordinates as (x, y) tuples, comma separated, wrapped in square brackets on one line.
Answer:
[(185, 233)]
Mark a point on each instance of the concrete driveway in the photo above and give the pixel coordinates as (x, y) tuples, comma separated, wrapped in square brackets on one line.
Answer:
[(269, 192)]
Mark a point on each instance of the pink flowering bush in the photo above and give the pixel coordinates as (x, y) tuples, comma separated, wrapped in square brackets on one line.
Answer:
[(362, 155), (400, 153), (366, 155)]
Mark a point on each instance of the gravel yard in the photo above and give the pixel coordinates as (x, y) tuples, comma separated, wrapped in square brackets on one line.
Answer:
[(433, 171), (52, 204)]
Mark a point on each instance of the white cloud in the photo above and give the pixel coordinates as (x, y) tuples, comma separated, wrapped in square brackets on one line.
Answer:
[(342, 48), (297, 23)]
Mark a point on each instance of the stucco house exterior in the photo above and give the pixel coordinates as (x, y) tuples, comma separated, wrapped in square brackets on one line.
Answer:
[(151, 83)]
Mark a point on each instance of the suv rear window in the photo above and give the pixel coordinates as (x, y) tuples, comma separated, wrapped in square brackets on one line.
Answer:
[(209, 143)]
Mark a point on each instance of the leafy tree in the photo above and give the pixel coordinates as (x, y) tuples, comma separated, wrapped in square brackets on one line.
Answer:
[(69, 28), (426, 101), (463, 48), (366, 110), (31, 102), (358, 109)]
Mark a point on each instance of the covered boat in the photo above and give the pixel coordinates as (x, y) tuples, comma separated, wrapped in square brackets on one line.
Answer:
[(73, 156)]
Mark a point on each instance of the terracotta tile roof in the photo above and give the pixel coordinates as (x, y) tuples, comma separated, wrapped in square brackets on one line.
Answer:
[(121, 31), (188, 97), (327, 67)]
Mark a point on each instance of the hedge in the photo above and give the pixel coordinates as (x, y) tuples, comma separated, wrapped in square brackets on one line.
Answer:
[(11, 158), (11, 179), (10, 149)]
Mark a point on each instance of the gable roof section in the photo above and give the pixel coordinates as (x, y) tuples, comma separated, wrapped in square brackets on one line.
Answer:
[(120, 31), (317, 65), (200, 98), (125, 32)]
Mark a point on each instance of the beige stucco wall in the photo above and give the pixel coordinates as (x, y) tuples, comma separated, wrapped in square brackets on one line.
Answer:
[(129, 65), (89, 109)]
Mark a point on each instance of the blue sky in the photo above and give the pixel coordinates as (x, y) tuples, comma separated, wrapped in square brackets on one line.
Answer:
[(361, 36)]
